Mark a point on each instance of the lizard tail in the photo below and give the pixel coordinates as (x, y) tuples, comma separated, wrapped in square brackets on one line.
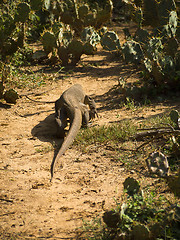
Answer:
[(73, 131)]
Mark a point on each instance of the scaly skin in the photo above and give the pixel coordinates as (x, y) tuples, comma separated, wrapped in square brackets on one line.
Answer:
[(72, 105)]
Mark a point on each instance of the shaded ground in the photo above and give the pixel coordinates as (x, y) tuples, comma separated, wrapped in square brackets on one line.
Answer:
[(84, 184)]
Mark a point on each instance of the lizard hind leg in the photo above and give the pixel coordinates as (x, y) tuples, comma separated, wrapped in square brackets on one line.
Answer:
[(60, 132), (61, 123)]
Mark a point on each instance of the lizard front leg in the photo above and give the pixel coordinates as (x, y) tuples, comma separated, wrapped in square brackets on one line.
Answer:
[(85, 115), (93, 111)]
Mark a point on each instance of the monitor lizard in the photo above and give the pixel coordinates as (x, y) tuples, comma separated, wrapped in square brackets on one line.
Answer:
[(72, 105)]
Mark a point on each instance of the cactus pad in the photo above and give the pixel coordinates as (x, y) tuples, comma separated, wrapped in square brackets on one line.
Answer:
[(11, 96), (36, 4), (89, 49), (75, 47), (1, 90), (131, 185), (48, 41), (174, 115), (23, 10), (110, 41), (140, 231), (83, 11), (132, 52)]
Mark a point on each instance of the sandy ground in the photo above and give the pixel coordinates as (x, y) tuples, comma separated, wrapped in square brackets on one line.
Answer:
[(84, 184)]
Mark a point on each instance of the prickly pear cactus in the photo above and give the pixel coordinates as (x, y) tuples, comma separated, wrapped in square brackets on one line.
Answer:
[(77, 15), (90, 38), (90, 19), (173, 21), (178, 32), (83, 11), (160, 46), (163, 9), (157, 72), (23, 10), (57, 27), (177, 62), (63, 55), (104, 14), (47, 4), (102, 31), (94, 39), (48, 41), (132, 52), (154, 49), (141, 231), (67, 18), (11, 96), (7, 26), (138, 3), (148, 65), (89, 34), (89, 49), (150, 13), (80, 15), (138, 15), (36, 4), (75, 48), (67, 37), (132, 186), (157, 163), (168, 66), (142, 36), (110, 41), (171, 47), (111, 218), (174, 115), (1, 89), (60, 35), (156, 13)]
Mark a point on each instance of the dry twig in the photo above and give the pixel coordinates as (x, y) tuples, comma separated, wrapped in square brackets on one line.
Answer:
[(156, 133), (6, 200)]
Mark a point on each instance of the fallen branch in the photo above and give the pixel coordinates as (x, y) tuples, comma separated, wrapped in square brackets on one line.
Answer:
[(156, 133), (6, 200), (154, 128)]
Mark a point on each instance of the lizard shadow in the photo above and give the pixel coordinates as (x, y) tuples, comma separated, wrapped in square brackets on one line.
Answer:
[(46, 131)]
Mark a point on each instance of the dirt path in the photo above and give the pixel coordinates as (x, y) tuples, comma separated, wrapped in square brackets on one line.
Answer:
[(32, 207)]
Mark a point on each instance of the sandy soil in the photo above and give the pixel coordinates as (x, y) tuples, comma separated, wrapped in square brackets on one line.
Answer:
[(84, 184)]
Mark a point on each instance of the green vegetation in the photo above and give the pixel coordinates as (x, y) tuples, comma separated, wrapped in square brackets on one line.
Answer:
[(117, 133), (69, 29), (72, 28), (22, 80), (44, 149), (12, 27), (141, 215), (113, 133), (75, 34)]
